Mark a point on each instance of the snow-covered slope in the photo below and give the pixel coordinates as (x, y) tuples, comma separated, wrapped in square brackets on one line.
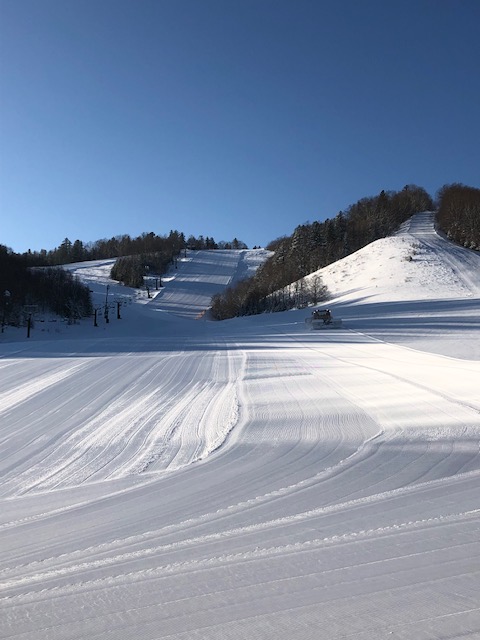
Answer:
[(166, 477), (188, 287), (415, 264), (414, 288)]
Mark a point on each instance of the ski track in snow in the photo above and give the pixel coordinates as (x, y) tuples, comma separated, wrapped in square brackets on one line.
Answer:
[(179, 478)]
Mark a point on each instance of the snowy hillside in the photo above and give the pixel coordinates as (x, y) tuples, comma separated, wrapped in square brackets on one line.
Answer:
[(415, 264), (166, 476), (414, 288)]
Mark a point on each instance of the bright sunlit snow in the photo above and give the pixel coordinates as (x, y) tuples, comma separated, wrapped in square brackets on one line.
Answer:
[(166, 476)]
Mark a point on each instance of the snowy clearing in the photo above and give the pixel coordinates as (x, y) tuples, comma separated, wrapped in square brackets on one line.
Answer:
[(165, 476)]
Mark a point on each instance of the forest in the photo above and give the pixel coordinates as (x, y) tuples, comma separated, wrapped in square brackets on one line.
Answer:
[(458, 214), (124, 245), (26, 291)]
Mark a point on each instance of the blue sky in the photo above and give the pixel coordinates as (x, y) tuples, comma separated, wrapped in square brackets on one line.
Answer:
[(227, 117)]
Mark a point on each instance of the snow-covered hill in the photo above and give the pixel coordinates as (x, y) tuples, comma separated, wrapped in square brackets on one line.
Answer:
[(414, 288), (167, 477), (415, 264)]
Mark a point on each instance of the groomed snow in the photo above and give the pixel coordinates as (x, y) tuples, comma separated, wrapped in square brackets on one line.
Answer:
[(166, 476)]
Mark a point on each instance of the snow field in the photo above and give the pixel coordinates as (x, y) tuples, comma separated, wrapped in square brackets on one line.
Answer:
[(168, 477)]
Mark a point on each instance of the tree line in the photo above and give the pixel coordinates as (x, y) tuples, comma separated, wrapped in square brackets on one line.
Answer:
[(458, 214), (24, 289), (124, 245)]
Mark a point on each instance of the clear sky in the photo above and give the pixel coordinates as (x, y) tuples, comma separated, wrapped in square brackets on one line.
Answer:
[(227, 117)]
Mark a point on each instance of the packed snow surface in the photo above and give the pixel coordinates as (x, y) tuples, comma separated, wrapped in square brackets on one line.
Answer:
[(166, 476)]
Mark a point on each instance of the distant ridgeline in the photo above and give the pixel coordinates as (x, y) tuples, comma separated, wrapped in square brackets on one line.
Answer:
[(124, 245), (310, 247), (318, 244)]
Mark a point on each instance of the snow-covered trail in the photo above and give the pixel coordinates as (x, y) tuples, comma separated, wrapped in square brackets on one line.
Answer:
[(201, 276), (463, 262), (246, 479)]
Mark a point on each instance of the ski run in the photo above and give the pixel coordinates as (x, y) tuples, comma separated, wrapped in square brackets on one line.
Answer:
[(165, 476)]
